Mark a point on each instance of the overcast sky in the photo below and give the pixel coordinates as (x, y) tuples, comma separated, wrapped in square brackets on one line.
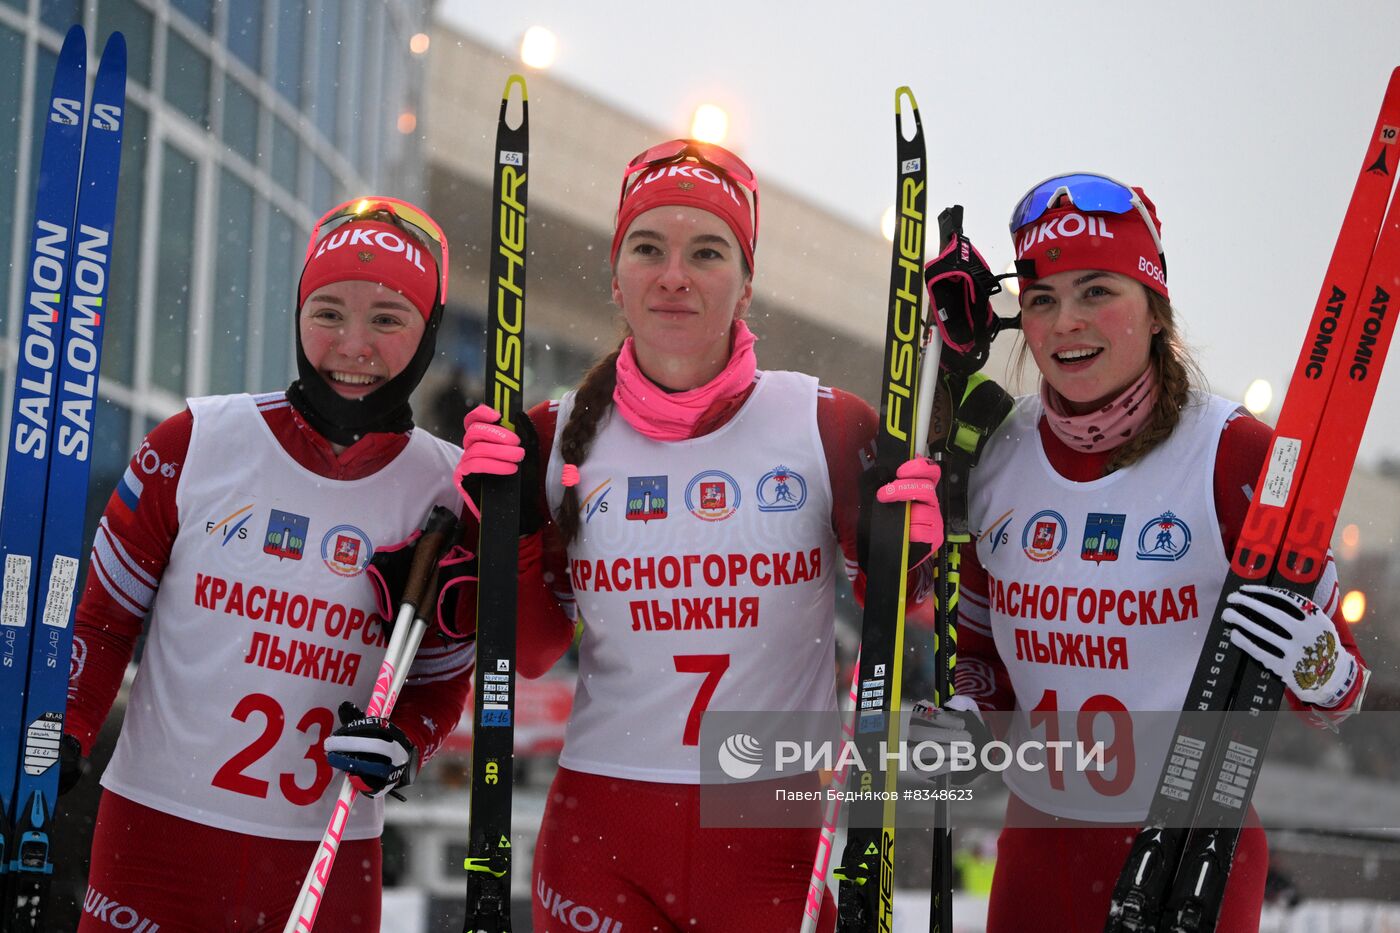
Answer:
[(1246, 123)]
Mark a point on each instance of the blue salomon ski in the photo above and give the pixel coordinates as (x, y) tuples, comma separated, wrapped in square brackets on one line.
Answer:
[(69, 278), (36, 370)]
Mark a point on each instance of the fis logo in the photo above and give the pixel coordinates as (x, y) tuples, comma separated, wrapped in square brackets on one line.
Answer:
[(231, 526), (596, 502), (998, 533)]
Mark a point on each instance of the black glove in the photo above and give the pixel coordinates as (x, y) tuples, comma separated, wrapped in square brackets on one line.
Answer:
[(870, 481), (960, 288), (388, 575), (373, 751), (72, 766)]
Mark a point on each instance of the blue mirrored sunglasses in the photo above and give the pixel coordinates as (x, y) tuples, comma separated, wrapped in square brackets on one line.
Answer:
[(1088, 192)]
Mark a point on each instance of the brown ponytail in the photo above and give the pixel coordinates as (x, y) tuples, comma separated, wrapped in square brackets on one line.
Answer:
[(592, 400)]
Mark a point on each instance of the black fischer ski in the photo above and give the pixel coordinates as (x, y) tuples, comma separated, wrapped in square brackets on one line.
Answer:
[(69, 283), (1174, 878), (866, 895), (488, 860)]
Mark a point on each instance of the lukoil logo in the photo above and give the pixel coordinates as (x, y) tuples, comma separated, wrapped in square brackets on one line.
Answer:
[(1066, 227), (740, 756)]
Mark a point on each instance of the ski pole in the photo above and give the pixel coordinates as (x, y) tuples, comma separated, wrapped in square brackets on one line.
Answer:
[(940, 916), (410, 624), (831, 816)]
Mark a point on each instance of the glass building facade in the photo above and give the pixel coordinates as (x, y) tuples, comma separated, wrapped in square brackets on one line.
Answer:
[(245, 120)]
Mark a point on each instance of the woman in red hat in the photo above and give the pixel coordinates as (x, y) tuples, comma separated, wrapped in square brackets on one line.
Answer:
[(243, 527), (693, 514), (1105, 511)]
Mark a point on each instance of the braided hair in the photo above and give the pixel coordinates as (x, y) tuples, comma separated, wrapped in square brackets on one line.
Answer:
[(592, 400)]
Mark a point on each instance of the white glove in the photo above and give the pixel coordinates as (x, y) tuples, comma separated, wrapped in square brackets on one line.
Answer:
[(1292, 637), (958, 729)]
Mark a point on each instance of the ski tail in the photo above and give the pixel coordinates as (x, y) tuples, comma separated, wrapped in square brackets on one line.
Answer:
[(488, 861), (866, 895), (1309, 453)]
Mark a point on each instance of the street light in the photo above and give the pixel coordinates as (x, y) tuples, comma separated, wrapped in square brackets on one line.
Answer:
[(538, 47), (1353, 607), (1351, 541), (710, 124), (1259, 396)]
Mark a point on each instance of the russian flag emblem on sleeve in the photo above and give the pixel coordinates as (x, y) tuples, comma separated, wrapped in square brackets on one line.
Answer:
[(129, 489)]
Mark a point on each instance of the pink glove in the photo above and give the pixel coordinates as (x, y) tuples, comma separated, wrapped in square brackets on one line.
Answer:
[(486, 448), (916, 483)]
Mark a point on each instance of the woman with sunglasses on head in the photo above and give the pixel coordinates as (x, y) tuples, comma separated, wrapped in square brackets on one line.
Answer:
[(1122, 480), (243, 527), (693, 513)]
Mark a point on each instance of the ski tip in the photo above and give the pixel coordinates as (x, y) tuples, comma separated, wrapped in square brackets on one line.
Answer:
[(114, 51), (74, 44), (513, 81), (906, 119)]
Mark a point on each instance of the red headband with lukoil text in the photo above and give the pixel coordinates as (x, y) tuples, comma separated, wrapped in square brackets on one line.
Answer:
[(1065, 238), (687, 184), (373, 251)]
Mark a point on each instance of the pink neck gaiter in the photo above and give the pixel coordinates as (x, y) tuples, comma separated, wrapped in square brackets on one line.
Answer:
[(672, 416), (1107, 427)]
